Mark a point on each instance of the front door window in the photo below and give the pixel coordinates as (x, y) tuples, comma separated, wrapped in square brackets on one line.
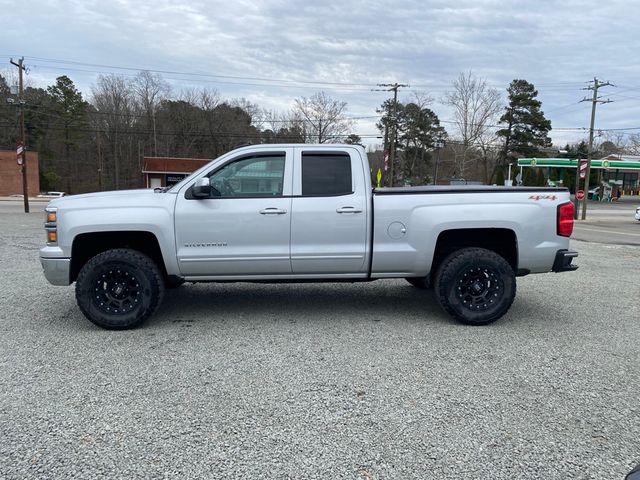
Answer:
[(251, 177)]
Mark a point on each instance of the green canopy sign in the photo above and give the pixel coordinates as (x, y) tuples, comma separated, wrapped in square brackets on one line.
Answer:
[(573, 163)]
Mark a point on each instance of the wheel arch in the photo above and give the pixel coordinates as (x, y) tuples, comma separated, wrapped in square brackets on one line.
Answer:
[(88, 245), (502, 241)]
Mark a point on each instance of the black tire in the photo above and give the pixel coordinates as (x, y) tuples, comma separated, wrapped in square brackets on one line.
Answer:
[(419, 282), (119, 289), (475, 286)]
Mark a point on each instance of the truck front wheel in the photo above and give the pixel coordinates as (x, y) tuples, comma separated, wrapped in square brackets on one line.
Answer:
[(119, 289), (476, 286)]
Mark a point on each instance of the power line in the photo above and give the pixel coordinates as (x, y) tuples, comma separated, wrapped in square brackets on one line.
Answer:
[(214, 82), (205, 75), (283, 81)]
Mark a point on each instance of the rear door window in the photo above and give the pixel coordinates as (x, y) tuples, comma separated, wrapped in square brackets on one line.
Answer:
[(326, 174)]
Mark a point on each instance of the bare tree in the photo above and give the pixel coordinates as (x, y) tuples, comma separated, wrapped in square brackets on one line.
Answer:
[(421, 99), (114, 106), (475, 107), (283, 127), (612, 143), (208, 99), (324, 118), (256, 113), (489, 149), (149, 91), (633, 144)]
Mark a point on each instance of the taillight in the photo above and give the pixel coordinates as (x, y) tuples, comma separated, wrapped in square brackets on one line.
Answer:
[(565, 219)]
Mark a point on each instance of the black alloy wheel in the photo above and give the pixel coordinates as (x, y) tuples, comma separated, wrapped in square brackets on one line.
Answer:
[(475, 285), (119, 289)]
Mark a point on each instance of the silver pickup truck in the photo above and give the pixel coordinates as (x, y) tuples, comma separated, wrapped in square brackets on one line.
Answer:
[(303, 213)]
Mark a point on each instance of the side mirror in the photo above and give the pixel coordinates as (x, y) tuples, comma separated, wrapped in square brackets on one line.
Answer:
[(202, 188)]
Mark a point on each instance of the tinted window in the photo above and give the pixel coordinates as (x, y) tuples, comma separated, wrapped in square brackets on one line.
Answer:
[(251, 177), (326, 174)]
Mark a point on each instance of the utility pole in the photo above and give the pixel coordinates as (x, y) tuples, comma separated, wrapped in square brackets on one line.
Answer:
[(385, 153), (392, 87), (439, 144), (594, 101), (23, 137), (99, 161)]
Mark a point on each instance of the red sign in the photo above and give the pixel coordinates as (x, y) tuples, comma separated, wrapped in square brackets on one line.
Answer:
[(19, 150), (580, 195), (583, 168)]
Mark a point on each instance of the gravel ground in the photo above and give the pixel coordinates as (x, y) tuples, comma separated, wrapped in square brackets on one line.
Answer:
[(362, 381)]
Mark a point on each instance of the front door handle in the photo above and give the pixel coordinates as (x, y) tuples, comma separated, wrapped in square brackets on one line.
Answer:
[(273, 211), (348, 210)]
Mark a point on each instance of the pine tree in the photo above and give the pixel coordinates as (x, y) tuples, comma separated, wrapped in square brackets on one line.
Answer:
[(69, 120), (418, 133), (578, 150), (526, 126)]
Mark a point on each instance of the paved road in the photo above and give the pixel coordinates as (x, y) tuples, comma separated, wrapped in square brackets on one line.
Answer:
[(361, 381), (611, 223)]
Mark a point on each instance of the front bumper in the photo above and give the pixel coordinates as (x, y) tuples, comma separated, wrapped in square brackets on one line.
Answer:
[(56, 270), (563, 260)]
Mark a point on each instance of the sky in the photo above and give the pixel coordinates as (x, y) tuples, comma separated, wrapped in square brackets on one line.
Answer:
[(272, 52)]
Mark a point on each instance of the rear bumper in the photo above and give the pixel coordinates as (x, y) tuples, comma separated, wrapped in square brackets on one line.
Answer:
[(56, 270), (562, 263)]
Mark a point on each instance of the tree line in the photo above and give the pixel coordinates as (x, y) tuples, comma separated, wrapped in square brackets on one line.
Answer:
[(97, 143)]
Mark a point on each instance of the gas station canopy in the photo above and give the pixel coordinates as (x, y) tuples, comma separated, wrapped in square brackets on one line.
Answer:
[(573, 163)]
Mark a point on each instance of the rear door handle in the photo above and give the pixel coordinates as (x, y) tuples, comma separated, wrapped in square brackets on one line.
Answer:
[(348, 210), (273, 211)]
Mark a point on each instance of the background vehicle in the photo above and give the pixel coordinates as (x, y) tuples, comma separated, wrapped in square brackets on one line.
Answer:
[(594, 193), (637, 215), (303, 213)]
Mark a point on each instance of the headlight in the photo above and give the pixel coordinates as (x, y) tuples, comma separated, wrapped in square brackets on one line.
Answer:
[(51, 225)]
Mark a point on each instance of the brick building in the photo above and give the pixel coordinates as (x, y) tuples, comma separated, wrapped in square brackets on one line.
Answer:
[(167, 171), (11, 174)]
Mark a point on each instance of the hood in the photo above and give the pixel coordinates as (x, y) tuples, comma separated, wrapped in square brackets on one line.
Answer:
[(119, 197)]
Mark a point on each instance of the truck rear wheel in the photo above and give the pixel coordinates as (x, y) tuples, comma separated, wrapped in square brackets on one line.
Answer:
[(119, 289), (475, 286)]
